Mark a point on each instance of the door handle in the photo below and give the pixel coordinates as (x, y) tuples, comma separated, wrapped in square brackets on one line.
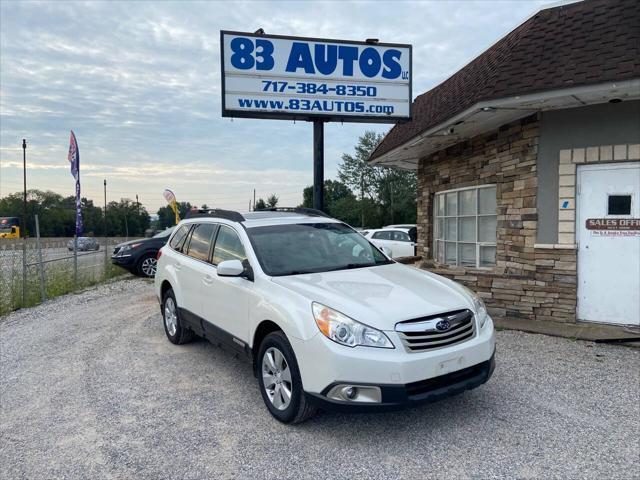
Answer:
[(207, 280)]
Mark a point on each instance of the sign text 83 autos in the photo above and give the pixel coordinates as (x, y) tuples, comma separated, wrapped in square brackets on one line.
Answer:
[(277, 77), (325, 59)]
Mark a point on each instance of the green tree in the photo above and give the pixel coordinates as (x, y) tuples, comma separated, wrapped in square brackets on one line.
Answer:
[(57, 215), (166, 217), (270, 202), (393, 190), (124, 219), (339, 201)]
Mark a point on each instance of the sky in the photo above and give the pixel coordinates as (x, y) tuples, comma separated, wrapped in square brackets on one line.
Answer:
[(139, 84)]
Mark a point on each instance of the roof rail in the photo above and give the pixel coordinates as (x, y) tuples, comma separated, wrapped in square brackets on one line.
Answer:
[(218, 213), (307, 211)]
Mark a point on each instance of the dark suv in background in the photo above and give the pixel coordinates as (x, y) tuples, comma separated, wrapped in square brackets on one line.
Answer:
[(139, 256)]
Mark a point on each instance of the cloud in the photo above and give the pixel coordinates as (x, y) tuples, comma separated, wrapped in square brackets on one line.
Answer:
[(139, 83)]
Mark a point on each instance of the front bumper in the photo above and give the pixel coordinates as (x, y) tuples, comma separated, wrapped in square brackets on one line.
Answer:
[(126, 262), (324, 363), (395, 397)]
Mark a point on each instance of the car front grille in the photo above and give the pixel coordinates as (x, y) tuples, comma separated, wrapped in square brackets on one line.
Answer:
[(437, 331)]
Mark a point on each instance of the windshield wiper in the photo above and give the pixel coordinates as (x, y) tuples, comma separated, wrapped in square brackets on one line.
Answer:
[(295, 272), (350, 266)]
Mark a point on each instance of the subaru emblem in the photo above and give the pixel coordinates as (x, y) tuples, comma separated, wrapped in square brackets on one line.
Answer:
[(443, 325)]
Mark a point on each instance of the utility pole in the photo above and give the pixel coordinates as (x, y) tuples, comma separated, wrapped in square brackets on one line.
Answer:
[(105, 208), (137, 206), (24, 178), (24, 224), (254, 199), (106, 259)]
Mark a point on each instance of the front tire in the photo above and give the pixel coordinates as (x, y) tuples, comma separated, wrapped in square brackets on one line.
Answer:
[(280, 381), (176, 333), (147, 265)]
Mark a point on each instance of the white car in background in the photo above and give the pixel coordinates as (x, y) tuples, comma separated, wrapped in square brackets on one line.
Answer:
[(397, 241)]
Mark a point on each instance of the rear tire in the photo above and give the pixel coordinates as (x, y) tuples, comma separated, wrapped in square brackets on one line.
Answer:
[(280, 381), (176, 333)]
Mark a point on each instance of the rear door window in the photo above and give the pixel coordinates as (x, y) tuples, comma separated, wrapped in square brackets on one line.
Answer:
[(228, 246), (177, 241), (382, 235), (401, 236), (200, 243)]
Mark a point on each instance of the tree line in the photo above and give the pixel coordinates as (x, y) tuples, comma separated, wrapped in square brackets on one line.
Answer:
[(57, 215), (363, 195), (366, 195)]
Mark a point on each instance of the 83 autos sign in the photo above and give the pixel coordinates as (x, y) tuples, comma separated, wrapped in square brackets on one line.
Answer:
[(270, 76)]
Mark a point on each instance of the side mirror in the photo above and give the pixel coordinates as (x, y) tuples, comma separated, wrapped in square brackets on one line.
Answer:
[(386, 251), (230, 268)]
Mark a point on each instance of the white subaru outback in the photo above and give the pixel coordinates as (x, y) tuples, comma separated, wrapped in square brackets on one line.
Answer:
[(328, 320)]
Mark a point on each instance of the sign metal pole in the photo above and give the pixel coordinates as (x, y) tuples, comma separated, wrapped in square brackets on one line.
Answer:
[(318, 165)]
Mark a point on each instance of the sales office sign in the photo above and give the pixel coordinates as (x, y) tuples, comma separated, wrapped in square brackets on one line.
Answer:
[(613, 227), (272, 76)]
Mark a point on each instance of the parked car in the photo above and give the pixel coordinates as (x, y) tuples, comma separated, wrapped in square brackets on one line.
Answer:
[(139, 256), (401, 242), (402, 225), (327, 320), (85, 244)]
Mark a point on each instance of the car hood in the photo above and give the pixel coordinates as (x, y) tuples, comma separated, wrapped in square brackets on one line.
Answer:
[(380, 296), (131, 242)]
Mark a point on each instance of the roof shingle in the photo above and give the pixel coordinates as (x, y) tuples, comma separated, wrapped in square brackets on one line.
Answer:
[(583, 43)]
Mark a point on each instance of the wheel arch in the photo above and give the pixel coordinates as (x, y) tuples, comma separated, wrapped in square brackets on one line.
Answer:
[(166, 285), (264, 328)]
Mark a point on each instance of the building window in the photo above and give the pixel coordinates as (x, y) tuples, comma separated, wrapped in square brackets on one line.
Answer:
[(619, 205), (465, 227)]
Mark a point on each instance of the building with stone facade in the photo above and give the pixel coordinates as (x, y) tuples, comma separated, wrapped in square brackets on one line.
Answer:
[(528, 163)]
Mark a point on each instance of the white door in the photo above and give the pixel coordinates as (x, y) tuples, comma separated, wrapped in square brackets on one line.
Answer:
[(196, 267), (402, 244), (383, 239), (226, 299), (608, 236)]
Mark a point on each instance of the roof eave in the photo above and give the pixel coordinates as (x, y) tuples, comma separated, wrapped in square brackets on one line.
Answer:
[(488, 115)]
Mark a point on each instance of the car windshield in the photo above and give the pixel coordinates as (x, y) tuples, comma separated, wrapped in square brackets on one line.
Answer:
[(164, 233), (312, 247)]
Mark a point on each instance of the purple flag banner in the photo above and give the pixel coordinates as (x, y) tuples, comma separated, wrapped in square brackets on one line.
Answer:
[(74, 159)]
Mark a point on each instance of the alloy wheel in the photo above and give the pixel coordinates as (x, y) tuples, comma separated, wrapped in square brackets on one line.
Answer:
[(149, 266), (170, 316), (276, 377)]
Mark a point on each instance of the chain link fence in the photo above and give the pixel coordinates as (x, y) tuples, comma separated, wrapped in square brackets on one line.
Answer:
[(32, 271)]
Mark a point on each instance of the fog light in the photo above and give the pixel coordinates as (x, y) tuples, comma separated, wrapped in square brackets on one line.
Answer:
[(355, 393), (350, 392)]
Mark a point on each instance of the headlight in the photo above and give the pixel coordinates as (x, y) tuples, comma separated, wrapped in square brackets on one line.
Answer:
[(478, 306), (126, 248), (345, 331)]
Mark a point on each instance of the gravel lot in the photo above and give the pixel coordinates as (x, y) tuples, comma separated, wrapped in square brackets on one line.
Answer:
[(90, 388)]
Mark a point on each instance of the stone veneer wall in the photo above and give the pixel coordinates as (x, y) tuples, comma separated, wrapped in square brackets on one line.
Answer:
[(527, 282)]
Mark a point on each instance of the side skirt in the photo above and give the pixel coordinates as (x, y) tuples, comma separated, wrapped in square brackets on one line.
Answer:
[(216, 335)]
